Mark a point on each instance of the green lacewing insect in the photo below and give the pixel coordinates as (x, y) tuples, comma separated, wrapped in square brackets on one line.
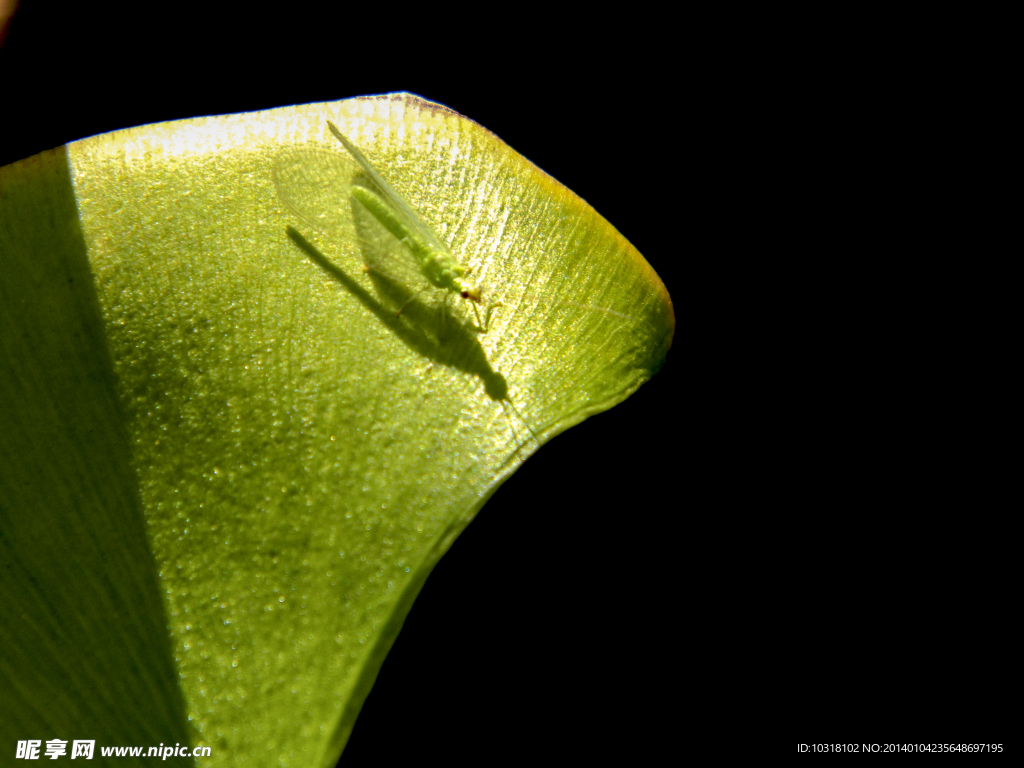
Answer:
[(314, 183)]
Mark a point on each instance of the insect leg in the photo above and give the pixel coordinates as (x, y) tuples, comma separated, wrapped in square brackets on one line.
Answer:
[(490, 310)]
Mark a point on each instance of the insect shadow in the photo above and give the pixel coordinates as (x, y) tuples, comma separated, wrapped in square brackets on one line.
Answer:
[(447, 341)]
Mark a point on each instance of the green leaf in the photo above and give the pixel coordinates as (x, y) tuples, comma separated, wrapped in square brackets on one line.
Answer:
[(228, 465)]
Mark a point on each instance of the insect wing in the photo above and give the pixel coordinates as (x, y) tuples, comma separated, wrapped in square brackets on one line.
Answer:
[(402, 210), (316, 185)]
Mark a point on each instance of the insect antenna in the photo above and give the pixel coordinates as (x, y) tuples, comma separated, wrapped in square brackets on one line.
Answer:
[(511, 422)]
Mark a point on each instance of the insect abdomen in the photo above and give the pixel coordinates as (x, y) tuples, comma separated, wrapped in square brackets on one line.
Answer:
[(439, 267)]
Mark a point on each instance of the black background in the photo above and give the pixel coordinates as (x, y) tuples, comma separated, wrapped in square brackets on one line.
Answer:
[(803, 544)]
